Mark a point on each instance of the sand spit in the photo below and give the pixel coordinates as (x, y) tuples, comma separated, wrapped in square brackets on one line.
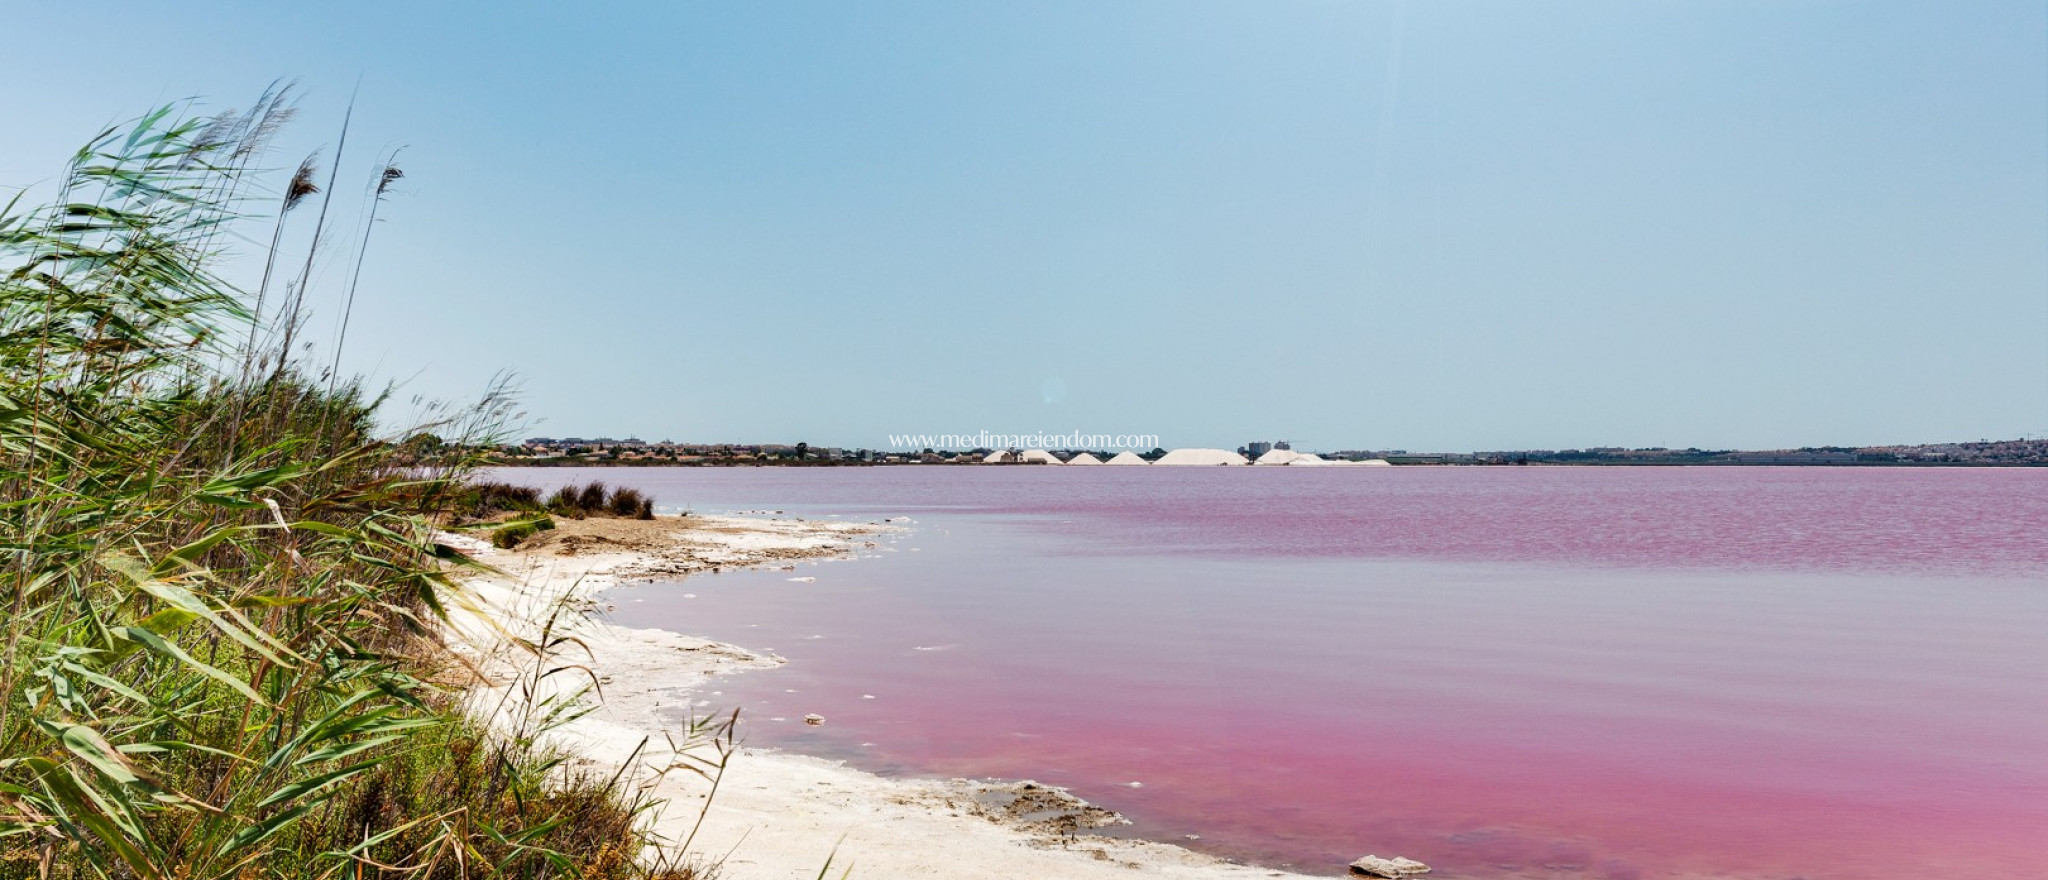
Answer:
[(776, 815)]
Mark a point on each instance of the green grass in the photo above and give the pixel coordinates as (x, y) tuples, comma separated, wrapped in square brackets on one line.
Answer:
[(219, 584)]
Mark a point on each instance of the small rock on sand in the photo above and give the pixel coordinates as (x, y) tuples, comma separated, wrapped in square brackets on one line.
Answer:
[(1392, 869)]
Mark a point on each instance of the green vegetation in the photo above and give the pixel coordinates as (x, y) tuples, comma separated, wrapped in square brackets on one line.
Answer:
[(577, 502), (218, 657)]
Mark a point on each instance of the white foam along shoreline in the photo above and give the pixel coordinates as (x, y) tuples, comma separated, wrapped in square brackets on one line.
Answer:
[(775, 815)]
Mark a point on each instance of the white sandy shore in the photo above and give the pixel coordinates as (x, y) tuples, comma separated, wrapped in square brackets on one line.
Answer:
[(776, 815)]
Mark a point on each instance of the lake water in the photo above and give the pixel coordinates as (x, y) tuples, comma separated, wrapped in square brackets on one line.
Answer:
[(1504, 672)]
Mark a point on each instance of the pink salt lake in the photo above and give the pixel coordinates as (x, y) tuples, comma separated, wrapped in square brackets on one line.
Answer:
[(1830, 674)]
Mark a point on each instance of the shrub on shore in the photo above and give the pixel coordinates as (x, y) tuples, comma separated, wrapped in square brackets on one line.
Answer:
[(220, 585), (483, 499), (591, 499), (578, 502), (630, 503), (566, 501)]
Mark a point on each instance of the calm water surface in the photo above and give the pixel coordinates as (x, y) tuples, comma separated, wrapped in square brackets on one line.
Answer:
[(1503, 672)]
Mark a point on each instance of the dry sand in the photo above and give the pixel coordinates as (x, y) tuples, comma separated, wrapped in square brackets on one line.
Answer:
[(775, 815)]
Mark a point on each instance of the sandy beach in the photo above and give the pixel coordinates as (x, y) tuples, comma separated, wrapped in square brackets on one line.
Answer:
[(774, 814)]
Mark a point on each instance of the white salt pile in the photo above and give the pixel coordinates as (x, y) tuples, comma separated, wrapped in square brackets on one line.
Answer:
[(1083, 458), (1126, 457), (1202, 457), (1289, 456), (1275, 456), (1038, 456)]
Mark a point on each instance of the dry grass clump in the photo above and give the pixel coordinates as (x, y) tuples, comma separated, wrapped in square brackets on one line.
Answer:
[(515, 512), (594, 499), (482, 499), (219, 585), (519, 512)]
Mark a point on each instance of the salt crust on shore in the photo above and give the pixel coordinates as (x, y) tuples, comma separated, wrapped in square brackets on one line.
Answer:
[(776, 815)]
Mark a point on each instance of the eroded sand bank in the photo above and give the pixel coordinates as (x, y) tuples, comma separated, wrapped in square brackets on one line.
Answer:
[(775, 815)]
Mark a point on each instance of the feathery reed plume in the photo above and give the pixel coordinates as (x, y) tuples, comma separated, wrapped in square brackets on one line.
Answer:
[(221, 131), (385, 178), (298, 300), (297, 189), (243, 138), (273, 111), (302, 184)]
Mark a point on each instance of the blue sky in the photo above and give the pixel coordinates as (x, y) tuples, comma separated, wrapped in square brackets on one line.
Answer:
[(1349, 224)]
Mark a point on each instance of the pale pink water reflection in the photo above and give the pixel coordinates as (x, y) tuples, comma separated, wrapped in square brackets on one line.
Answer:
[(1509, 672)]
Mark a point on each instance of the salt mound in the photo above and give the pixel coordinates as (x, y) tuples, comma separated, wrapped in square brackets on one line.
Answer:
[(1038, 456), (1202, 457), (1370, 462), (999, 456), (1295, 459), (1126, 457), (1284, 456), (1083, 458)]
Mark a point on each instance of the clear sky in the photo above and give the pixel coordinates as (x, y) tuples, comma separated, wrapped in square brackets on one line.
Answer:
[(1350, 224)]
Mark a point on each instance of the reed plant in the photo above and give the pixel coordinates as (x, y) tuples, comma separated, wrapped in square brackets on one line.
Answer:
[(219, 656)]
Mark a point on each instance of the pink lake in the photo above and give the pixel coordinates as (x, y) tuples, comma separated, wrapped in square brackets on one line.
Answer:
[(1504, 672)]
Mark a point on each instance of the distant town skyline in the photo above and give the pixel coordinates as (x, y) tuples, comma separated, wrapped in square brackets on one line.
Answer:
[(631, 450), (1420, 225), (1259, 445)]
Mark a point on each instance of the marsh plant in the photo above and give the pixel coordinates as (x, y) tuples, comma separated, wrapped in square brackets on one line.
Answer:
[(219, 653)]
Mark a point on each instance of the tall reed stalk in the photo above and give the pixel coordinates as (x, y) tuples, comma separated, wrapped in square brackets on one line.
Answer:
[(290, 322), (386, 176)]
